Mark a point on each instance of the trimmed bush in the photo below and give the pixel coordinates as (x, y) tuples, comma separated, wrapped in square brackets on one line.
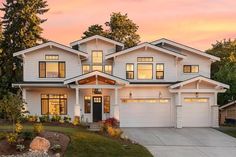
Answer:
[(76, 121), (12, 138), (18, 128), (38, 128), (44, 119), (27, 135)]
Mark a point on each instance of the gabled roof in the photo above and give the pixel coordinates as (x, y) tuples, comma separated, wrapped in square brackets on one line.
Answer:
[(181, 46), (200, 78), (77, 42), (95, 73), (229, 104), (49, 44), (145, 45)]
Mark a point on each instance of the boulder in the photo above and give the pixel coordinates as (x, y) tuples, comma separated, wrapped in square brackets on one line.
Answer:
[(40, 144)]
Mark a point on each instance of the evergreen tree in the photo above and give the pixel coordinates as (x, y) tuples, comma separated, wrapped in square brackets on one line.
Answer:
[(21, 30), (94, 30)]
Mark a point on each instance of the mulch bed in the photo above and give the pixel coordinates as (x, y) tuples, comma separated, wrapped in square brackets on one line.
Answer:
[(53, 137)]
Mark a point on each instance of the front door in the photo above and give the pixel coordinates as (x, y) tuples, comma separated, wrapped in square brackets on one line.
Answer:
[(97, 108)]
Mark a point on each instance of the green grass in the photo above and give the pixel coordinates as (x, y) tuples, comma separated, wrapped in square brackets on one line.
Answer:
[(228, 130), (88, 144)]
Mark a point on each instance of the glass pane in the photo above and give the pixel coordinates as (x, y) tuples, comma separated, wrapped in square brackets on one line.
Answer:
[(145, 59), (51, 57), (54, 107), (160, 75), (97, 67), (44, 106), (145, 71), (62, 70), (51, 69), (160, 67), (42, 69), (130, 75), (86, 69), (87, 104), (97, 57), (106, 104), (63, 106), (129, 67), (195, 68), (187, 69), (108, 69)]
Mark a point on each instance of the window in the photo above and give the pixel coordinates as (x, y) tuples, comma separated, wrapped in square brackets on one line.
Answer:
[(160, 71), (150, 100), (97, 67), (51, 57), (129, 71), (108, 69), (106, 104), (97, 57), (85, 69), (54, 104), (87, 104), (196, 100), (145, 59), (191, 69), (144, 71), (52, 69)]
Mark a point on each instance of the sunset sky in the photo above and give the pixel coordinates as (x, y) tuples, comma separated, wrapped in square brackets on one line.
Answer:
[(197, 23)]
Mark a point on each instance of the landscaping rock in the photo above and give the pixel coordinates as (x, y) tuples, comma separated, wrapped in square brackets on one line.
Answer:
[(40, 144)]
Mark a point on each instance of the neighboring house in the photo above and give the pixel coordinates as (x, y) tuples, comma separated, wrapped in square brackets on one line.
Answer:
[(228, 112), (157, 84)]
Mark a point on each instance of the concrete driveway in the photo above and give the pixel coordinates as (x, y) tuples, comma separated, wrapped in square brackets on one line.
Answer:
[(186, 142)]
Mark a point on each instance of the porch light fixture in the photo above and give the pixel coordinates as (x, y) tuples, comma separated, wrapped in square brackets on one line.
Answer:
[(197, 94), (130, 94)]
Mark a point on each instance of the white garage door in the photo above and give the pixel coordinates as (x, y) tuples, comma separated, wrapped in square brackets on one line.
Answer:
[(145, 113), (196, 112)]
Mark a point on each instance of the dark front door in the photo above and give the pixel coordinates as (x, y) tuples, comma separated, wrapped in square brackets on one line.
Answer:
[(97, 108)]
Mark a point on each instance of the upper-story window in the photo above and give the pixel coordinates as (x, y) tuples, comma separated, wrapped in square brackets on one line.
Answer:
[(145, 59), (159, 71), (129, 71), (97, 57), (51, 57), (85, 68), (108, 69), (51, 69), (191, 68), (145, 71)]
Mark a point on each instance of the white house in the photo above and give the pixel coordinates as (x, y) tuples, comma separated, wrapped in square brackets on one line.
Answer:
[(157, 84)]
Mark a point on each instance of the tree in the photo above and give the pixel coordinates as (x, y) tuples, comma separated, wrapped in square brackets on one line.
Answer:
[(13, 106), (120, 28), (225, 70), (21, 30), (94, 30)]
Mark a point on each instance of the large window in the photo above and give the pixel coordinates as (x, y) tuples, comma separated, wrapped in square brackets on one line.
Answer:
[(87, 104), (54, 104), (129, 71), (159, 71), (108, 69), (52, 69), (191, 68), (85, 69), (97, 57), (144, 71), (106, 104)]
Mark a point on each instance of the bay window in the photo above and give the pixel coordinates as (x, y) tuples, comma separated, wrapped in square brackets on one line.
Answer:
[(145, 71)]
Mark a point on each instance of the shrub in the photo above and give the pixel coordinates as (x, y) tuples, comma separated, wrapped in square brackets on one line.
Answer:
[(55, 118), (2, 135), (61, 121), (18, 128), (38, 128), (111, 122), (114, 132), (32, 118), (12, 138), (56, 148), (20, 147), (27, 135), (67, 119), (23, 119), (44, 119), (76, 121)]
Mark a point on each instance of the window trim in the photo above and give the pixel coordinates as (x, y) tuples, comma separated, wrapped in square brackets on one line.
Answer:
[(104, 104), (138, 72), (59, 103), (92, 57), (190, 69), (58, 68), (160, 71), (126, 72), (143, 61), (90, 105)]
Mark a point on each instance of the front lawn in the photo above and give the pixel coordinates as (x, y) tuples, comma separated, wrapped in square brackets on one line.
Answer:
[(87, 144), (228, 130)]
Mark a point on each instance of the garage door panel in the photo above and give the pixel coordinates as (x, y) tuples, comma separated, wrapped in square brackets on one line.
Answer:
[(145, 115)]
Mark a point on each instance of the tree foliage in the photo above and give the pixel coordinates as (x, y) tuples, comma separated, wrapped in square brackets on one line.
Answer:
[(120, 28), (21, 30), (225, 70)]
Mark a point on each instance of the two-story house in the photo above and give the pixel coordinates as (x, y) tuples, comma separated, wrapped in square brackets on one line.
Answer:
[(157, 84)]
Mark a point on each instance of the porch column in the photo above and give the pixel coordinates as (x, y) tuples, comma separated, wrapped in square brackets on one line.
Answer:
[(24, 99), (215, 112), (179, 111), (116, 106), (77, 106)]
